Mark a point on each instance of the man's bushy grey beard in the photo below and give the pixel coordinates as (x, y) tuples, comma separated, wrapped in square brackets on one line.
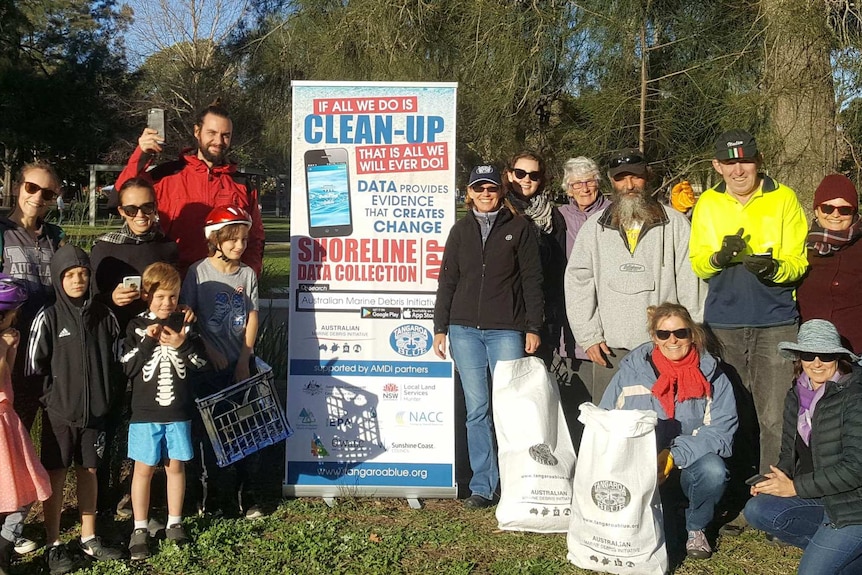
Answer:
[(633, 210)]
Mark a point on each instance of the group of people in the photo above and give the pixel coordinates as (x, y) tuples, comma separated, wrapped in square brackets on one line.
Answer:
[(115, 345), (637, 304)]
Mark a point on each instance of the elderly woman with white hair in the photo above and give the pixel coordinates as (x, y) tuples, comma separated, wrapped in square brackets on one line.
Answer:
[(581, 179)]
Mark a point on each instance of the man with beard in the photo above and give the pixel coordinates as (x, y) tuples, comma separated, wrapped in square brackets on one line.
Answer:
[(188, 188), (748, 241), (627, 257)]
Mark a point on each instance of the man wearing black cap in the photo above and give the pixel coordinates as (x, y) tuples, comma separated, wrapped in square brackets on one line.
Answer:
[(631, 255), (748, 241)]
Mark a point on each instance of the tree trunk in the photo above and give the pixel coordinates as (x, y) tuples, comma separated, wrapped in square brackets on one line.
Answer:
[(800, 94)]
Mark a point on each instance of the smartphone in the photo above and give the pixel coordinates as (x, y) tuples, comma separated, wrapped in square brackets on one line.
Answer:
[(156, 121), (132, 282), (175, 320), (755, 479), (327, 179), (763, 255)]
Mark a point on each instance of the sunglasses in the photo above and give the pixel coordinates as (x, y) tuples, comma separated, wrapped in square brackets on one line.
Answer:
[(132, 210), (47, 193), (681, 333), (625, 160), (843, 210), (824, 357), (521, 174), (489, 189)]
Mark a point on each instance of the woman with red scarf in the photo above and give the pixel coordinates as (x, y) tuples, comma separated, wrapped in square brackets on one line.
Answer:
[(677, 378), (830, 291)]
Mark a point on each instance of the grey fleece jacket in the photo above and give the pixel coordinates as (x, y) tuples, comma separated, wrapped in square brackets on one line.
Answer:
[(608, 288)]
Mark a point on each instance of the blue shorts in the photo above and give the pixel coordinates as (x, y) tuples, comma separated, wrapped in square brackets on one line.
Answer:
[(151, 443)]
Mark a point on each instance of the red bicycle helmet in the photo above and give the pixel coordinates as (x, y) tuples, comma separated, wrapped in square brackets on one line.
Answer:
[(12, 293), (222, 216)]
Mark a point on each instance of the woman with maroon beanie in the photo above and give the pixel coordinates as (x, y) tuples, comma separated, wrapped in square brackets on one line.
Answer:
[(830, 291)]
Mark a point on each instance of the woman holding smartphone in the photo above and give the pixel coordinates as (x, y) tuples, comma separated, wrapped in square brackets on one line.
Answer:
[(118, 259), (489, 303), (812, 498)]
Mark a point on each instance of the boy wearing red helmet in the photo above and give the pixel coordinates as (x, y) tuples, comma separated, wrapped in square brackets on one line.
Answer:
[(222, 291)]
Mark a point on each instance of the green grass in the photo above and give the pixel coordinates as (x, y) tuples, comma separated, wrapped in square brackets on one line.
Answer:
[(385, 536)]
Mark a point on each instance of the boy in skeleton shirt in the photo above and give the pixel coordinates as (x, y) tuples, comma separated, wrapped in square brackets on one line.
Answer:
[(159, 357)]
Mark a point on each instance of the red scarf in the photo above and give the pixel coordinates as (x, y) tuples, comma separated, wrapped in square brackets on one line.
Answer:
[(682, 377)]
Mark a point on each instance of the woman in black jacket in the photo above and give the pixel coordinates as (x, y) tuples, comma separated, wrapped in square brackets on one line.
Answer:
[(489, 302), (812, 498)]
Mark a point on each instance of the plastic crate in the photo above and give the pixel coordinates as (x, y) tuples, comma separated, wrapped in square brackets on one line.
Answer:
[(245, 417)]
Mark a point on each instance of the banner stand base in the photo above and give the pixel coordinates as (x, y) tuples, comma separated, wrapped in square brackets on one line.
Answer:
[(329, 494)]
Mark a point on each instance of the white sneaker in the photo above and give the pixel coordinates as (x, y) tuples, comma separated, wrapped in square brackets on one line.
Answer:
[(24, 546), (254, 512)]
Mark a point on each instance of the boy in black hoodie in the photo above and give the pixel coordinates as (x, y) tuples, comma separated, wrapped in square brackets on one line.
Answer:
[(74, 347)]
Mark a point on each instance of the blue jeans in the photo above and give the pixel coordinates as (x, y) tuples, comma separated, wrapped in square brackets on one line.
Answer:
[(703, 484), (474, 351), (804, 523)]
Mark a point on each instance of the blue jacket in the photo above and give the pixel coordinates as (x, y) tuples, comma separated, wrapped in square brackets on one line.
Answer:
[(704, 425)]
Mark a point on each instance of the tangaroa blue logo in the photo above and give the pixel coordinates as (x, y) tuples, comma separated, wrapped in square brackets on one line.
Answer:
[(411, 340)]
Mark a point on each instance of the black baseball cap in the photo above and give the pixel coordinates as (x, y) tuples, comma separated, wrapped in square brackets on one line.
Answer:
[(627, 161), (735, 145), (486, 173)]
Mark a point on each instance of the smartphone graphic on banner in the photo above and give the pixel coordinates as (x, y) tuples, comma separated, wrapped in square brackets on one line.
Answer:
[(327, 179)]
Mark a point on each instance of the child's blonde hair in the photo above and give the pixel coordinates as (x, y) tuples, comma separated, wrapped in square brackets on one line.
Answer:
[(160, 275)]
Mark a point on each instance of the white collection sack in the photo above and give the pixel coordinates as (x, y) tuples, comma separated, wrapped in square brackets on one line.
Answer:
[(616, 524), (535, 451)]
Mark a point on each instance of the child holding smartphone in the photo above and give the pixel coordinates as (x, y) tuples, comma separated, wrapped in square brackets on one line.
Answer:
[(160, 353), (223, 293)]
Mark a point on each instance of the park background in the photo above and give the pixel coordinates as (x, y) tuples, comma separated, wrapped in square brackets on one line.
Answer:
[(563, 78)]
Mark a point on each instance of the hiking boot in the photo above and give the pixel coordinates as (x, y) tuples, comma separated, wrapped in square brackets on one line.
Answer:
[(477, 502), (24, 546), (697, 547), (139, 544), (177, 534), (98, 552), (59, 560), (734, 527)]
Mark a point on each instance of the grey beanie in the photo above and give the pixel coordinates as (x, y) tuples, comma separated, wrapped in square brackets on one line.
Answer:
[(816, 336)]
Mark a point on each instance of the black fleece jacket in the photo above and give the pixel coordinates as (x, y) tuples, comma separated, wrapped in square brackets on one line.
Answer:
[(495, 286), (73, 347), (836, 448)]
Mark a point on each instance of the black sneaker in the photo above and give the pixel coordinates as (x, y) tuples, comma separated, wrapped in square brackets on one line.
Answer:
[(59, 560), (139, 544), (478, 502), (177, 534), (98, 552)]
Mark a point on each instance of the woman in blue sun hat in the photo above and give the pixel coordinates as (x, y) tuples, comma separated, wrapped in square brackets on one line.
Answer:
[(812, 498)]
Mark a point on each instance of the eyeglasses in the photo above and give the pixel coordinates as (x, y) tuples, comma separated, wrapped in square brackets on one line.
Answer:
[(584, 184), (521, 174), (681, 333), (47, 193), (132, 210), (625, 160), (843, 210), (489, 189), (824, 357)]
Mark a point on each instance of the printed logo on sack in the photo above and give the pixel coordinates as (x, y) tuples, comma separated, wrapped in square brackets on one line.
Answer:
[(390, 391), (411, 340), (541, 453), (610, 495)]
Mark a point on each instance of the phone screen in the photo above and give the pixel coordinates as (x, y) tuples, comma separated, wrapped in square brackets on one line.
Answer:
[(327, 179)]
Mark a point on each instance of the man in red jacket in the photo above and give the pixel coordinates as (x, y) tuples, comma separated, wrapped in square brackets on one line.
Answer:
[(188, 188)]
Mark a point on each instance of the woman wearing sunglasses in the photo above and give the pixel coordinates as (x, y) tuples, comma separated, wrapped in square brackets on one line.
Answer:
[(489, 305), (28, 244), (117, 255), (129, 250), (524, 185), (812, 498), (677, 378), (830, 290)]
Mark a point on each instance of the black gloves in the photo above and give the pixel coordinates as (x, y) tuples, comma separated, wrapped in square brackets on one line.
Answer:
[(761, 265), (730, 247)]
